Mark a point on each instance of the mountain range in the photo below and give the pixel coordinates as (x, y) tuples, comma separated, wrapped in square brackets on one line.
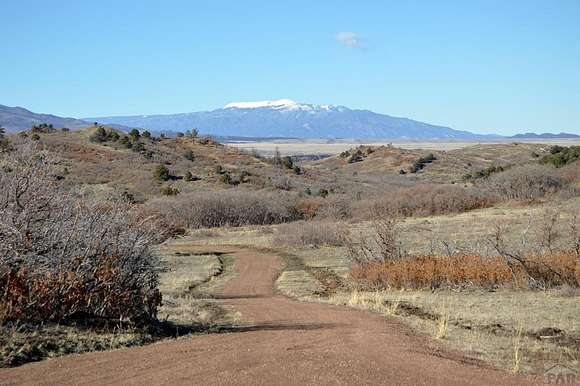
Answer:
[(286, 118), (281, 118)]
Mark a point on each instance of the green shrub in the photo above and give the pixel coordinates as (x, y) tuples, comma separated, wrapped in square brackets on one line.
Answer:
[(422, 162), (169, 190), (134, 134), (4, 142), (161, 173), (100, 135), (189, 155), (560, 156)]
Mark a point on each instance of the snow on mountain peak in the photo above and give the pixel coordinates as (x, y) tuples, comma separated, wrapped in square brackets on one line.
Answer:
[(280, 103)]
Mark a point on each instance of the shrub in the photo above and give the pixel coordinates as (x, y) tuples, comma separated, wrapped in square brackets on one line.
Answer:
[(169, 190), (429, 272), (161, 173), (560, 156), (63, 258), (4, 142), (422, 162), (138, 147), (103, 135), (134, 134), (312, 234), (379, 246), (226, 178), (525, 182), (308, 207), (357, 156), (230, 208), (281, 182), (99, 136), (43, 128), (424, 200), (287, 162), (189, 155), (125, 141), (485, 173), (336, 207), (193, 133)]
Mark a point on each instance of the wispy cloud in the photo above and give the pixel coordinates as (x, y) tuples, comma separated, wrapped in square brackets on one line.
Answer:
[(349, 39)]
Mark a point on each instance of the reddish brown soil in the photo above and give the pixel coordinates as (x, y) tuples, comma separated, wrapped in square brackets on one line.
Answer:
[(284, 342)]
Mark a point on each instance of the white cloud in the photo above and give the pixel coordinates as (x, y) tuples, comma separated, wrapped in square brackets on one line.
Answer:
[(349, 39)]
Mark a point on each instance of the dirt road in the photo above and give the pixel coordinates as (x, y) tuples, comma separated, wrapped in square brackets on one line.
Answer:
[(285, 342)]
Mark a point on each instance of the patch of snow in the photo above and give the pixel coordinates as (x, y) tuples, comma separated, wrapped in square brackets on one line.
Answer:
[(280, 103)]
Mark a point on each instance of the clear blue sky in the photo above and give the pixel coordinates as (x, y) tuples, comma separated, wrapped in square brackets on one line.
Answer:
[(487, 66)]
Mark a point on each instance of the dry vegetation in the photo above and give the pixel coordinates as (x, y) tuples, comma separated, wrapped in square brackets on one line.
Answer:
[(432, 237)]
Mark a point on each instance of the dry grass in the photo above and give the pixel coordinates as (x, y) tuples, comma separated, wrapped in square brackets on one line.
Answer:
[(508, 329)]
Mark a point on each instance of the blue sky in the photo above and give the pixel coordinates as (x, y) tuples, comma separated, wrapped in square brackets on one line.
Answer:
[(486, 66)]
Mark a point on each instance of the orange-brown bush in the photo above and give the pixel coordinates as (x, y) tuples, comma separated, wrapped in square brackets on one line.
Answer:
[(65, 258), (308, 206), (429, 272)]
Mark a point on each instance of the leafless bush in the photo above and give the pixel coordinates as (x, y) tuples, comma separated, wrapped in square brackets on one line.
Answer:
[(544, 265), (314, 234), (423, 200), (525, 182), (336, 208), (230, 208), (381, 245), (64, 258)]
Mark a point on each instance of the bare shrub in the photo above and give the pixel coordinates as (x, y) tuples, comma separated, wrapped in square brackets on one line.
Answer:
[(423, 200), (547, 266), (229, 208), (381, 245), (313, 234), (336, 207), (525, 183), (64, 258)]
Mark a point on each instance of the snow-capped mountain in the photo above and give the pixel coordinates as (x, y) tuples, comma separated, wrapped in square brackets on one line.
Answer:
[(286, 118)]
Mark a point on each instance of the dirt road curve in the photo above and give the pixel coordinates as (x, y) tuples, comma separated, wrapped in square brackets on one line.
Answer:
[(286, 342)]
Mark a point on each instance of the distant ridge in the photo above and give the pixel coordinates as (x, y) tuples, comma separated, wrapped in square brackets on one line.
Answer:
[(544, 136), (15, 119)]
